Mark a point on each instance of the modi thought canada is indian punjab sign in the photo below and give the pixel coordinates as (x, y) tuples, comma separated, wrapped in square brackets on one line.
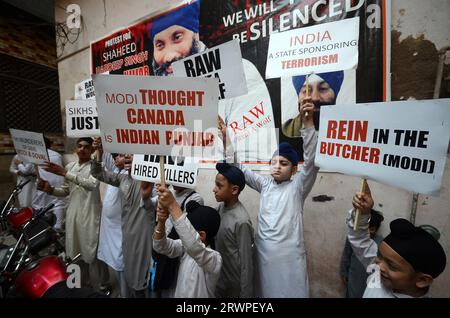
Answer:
[(157, 115)]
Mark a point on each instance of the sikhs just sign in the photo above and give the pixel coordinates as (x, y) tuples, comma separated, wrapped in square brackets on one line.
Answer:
[(157, 115), (82, 118), (402, 144), (321, 48)]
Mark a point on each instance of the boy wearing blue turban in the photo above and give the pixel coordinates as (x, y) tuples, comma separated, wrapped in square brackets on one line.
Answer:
[(323, 90), (280, 255)]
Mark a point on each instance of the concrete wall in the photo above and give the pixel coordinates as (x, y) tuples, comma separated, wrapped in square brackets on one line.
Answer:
[(324, 221)]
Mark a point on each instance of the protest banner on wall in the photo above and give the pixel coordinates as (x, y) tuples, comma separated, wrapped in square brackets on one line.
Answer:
[(82, 118), (30, 146), (223, 62), (179, 171), (326, 47), (157, 115), (131, 51), (403, 144)]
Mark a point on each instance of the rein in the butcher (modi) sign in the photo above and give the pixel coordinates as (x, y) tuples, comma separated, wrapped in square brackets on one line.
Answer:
[(157, 115), (403, 144), (321, 48)]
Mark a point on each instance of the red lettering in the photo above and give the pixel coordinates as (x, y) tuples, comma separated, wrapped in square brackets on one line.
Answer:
[(331, 131)]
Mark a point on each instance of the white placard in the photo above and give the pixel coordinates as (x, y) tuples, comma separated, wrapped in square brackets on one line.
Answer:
[(30, 146), (81, 118), (402, 144), (178, 171), (223, 62), (321, 48), (158, 115), (85, 89)]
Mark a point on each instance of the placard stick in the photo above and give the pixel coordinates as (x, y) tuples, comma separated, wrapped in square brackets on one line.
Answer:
[(307, 91), (38, 176), (358, 212), (162, 172)]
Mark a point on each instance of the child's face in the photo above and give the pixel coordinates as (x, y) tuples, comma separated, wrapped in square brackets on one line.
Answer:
[(128, 161), (119, 161), (84, 150), (281, 169), (223, 190), (396, 273)]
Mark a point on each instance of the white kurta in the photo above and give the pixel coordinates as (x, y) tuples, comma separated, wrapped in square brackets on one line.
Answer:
[(199, 265), (280, 256), (366, 250), (110, 240), (24, 171), (83, 211), (184, 196)]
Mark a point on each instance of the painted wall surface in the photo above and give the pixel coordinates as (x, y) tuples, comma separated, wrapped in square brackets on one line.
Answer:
[(324, 221)]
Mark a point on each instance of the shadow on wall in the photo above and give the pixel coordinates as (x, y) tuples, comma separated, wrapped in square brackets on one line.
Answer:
[(414, 67)]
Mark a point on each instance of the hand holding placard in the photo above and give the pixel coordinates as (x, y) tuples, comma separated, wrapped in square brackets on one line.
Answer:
[(362, 202)]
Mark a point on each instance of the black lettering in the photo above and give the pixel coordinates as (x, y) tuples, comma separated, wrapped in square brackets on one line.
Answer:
[(189, 66), (398, 136), (423, 138)]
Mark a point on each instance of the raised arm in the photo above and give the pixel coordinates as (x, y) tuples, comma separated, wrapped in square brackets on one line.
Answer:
[(307, 176), (252, 179), (97, 170), (206, 258), (364, 247), (89, 183), (161, 243)]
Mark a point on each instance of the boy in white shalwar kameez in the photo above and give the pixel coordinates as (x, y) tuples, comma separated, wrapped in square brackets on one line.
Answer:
[(405, 263), (200, 265), (280, 255)]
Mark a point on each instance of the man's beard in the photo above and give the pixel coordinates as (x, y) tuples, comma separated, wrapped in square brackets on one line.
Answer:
[(161, 70), (316, 114)]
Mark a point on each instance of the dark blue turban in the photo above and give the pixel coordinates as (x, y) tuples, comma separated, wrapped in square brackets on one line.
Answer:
[(186, 16), (233, 174), (334, 79), (286, 150)]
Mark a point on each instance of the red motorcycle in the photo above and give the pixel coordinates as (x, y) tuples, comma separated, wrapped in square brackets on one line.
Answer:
[(34, 267)]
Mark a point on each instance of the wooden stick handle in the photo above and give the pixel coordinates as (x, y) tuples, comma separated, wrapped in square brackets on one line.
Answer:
[(162, 176), (38, 176), (162, 171), (358, 212), (307, 91)]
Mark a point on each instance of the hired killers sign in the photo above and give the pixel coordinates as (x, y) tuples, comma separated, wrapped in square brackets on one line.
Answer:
[(178, 172)]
